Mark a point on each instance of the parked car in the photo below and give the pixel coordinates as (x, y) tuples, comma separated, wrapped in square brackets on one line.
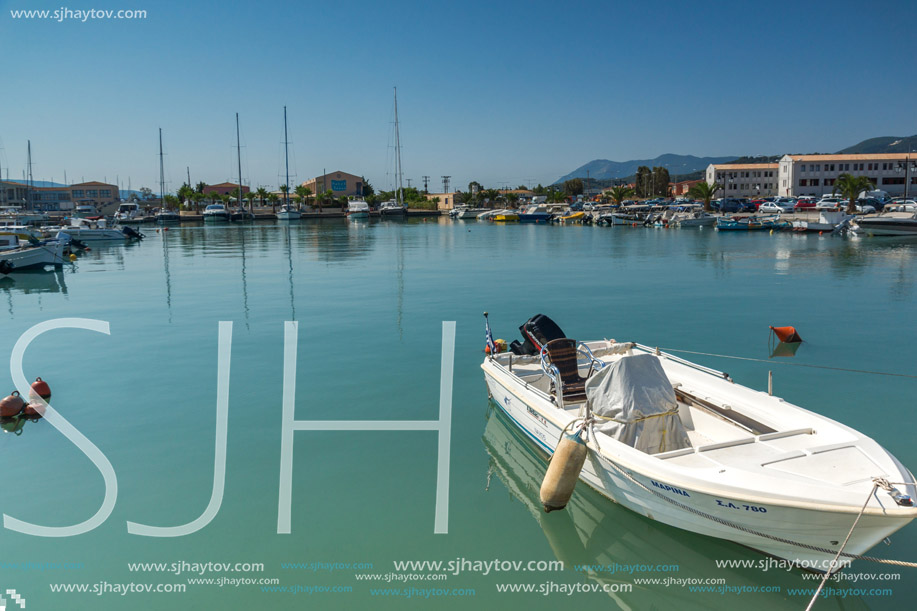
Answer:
[(865, 209), (871, 201), (770, 208), (831, 202), (757, 203), (728, 205), (804, 203)]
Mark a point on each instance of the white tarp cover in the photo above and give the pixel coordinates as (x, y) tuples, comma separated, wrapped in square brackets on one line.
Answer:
[(634, 403)]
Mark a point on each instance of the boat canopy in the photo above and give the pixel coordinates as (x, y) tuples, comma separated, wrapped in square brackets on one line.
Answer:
[(634, 402)]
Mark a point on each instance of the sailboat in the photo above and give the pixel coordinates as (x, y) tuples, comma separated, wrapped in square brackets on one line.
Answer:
[(165, 215), (396, 206), (241, 214), (287, 212)]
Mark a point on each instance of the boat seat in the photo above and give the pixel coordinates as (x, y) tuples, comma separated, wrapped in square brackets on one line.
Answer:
[(562, 354)]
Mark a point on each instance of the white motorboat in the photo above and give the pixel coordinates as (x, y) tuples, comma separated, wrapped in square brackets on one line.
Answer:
[(357, 209), (392, 208), (470, 213), (828, 220), (14, 257), (288, 213), (216, 212), (691, 216), (684, 445), (892, 224), (128, 212), (94, 230)]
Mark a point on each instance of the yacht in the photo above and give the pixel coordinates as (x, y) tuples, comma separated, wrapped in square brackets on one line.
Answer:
[(216, 213), (357, 209), (288, 212)]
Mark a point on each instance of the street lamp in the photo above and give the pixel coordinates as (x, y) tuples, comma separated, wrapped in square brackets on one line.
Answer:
[(906, 167)]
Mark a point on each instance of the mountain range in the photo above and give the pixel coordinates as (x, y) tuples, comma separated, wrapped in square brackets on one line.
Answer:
[(680, 165)]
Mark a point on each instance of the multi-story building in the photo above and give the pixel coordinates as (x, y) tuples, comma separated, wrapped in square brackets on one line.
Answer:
[(744, 179), (59, 198), (340, 184), (816, 174), (94, 192), (225, 188)]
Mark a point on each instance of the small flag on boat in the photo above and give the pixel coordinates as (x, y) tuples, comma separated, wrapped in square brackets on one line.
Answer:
[(489, 337)]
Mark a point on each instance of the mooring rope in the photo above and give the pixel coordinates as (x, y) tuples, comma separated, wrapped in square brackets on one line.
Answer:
[(747, 358)]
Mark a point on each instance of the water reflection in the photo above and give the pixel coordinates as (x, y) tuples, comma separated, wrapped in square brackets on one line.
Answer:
[(36, 282), (595, 533)]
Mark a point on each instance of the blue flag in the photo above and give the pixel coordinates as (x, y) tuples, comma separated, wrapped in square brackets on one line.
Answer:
[(489, 337)]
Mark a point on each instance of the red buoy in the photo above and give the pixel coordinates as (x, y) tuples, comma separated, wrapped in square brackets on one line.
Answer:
[(41, 389), (12, 405), (786, 334)]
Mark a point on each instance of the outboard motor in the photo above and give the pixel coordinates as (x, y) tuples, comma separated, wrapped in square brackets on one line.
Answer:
[(537, 331), (132, 233), (6, 266)]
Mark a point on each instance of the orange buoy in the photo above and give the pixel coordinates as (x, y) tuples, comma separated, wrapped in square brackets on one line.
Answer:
[(786, 334), (12, 405), (41, 389)]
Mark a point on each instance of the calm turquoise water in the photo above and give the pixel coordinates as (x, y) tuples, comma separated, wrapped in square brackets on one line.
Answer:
[(370, 299)]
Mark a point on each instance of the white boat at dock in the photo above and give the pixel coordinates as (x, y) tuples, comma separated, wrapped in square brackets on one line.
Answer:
[(94, 230), (392, 208), (216, 213), (891, 224), (683, 444), (466, 212), (288, 213), (15, 257), (128, 212), (357, 209), (828, 220)]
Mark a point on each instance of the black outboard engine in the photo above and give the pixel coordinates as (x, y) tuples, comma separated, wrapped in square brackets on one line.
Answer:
[(537, 331), (132, 233), (6, 267)]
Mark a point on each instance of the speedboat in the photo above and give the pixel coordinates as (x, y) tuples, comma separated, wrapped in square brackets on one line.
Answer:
[(288, 213), (572, 217), (749, 224), (828, 220), (685, 445), (128, 212), (506, 216), (536, 213), (165, 216), (357, 209), (39, 254), (216, 213), (471, 213), (392, 208), (93, 230), (894, 224)]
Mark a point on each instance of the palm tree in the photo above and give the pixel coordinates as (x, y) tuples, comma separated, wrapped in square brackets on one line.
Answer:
[(303, 193), (262, 194), (704, 191), (273, 198), (851, 186), (197, 198), (620, 193), (285, 189)]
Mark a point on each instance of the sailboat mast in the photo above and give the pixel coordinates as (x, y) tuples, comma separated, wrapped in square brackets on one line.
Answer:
[(29, 202), (162, 176), (286, 154), (398, 177), (239, 160)]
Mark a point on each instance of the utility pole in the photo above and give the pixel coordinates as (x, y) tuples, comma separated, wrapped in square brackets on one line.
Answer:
[(409, 182), (426, 180), (446, 184)]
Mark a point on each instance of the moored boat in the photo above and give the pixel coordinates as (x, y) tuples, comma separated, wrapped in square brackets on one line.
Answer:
[(357, 209), (94, 230), (216, 213), (15, 257), (894, 224), (288, 213), (684, 445)]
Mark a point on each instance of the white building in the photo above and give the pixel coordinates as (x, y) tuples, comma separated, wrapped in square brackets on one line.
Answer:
[(744, 180), (816, 174)]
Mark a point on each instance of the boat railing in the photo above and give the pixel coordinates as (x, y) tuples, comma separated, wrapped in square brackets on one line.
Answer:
[(681, 361)]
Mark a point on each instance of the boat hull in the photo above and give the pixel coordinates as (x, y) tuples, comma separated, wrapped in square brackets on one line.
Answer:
[(37, 257), (888, 227), (677, 504), (94, 235)]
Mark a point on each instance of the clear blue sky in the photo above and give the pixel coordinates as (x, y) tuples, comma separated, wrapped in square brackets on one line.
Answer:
[(498, 92)]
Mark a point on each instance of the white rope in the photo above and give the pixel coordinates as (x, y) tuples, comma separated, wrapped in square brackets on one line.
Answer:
[(746, 358)]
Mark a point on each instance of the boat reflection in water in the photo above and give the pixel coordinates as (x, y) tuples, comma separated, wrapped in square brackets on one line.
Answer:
[(613, 546)]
